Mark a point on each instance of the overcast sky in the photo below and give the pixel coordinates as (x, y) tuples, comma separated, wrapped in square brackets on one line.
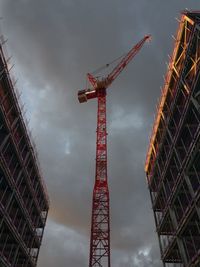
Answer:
[(53, 45)]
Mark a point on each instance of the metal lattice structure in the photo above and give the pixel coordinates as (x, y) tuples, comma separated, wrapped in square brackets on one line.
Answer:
[(100, 225), (23, 199), (173, 159)]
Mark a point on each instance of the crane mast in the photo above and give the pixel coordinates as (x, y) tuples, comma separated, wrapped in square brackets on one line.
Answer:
[(100, 222), (100, 225)]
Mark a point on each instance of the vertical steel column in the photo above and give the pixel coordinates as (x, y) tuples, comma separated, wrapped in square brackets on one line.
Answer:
[(100, 228)]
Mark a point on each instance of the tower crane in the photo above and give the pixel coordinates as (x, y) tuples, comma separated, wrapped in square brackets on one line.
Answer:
[(100, 222)]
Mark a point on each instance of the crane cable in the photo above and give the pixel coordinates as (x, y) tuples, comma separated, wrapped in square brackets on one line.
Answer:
[(104, 67), (107, 65)]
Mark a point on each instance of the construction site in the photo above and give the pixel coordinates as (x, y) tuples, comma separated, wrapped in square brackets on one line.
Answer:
[(24, 202), (172, 164), (173, 159)]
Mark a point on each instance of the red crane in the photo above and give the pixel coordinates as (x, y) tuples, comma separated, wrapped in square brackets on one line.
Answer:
[(100, 224)]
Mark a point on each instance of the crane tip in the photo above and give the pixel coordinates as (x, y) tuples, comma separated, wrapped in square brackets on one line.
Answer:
[(148, 37)]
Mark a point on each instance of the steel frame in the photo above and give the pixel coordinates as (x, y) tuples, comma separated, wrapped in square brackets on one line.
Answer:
[(23, 198), (173, 158)]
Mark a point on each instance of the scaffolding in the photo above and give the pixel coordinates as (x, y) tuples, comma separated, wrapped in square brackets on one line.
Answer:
[(24, 201), (173, 158)]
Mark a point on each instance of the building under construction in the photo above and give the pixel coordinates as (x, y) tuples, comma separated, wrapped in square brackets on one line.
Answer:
[(23, 199), (173, 160)]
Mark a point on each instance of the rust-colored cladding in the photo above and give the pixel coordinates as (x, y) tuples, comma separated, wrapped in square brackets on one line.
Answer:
[(173, 158), (24, 201)]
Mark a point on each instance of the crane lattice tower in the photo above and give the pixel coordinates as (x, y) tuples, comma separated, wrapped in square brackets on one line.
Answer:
[(100, 223)]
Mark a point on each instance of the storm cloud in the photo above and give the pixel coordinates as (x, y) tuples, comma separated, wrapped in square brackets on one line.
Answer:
[(53, 45)]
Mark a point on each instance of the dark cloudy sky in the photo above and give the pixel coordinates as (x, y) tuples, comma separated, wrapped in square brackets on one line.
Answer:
[(53, 45)]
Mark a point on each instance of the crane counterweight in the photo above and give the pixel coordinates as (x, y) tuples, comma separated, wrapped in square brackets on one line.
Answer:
[(84, 95)]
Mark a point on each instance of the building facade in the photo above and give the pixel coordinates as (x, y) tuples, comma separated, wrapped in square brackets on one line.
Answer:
[(23, 198), (173, 159)]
